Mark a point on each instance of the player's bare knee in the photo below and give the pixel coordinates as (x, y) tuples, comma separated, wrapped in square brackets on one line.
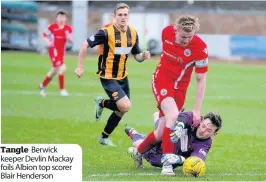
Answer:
[(62, 69), (159, 130), (125, 107), (52, 72), (124, 104), (158, 135), (173, 118)]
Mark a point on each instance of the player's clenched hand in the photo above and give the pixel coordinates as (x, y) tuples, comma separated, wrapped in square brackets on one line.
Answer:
[(177, 132), (146, 54), (196, 118), (79, 71)]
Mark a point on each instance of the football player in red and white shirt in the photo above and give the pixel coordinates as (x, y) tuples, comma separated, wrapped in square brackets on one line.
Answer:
[(182, 52), (56, 36)]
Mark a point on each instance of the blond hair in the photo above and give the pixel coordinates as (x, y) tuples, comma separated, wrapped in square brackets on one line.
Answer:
[(187, 23), (120, 6)]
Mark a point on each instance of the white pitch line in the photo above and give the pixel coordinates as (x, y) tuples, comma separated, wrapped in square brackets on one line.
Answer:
[(158, 174), (80, 94)]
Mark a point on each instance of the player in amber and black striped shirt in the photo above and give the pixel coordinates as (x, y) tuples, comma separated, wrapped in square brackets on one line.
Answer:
[(117, 41)]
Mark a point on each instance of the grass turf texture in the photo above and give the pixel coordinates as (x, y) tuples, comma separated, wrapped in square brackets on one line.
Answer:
[(236, 91)]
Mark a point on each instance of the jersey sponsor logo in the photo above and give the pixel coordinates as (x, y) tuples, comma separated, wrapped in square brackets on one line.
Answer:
[(60, 37), (118, 41), (187, 52), (202, 63), (179, 59), (168, 54), (92, 38), (169, 42), (202, 152), (163, 92), (122, 50)]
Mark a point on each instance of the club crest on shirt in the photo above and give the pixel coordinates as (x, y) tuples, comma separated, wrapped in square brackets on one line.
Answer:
[(92, 38), (187, 52), (163, 92)]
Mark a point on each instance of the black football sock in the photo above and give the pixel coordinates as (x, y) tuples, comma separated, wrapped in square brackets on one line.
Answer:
[(109, 104), (112, 123), (105, 135)]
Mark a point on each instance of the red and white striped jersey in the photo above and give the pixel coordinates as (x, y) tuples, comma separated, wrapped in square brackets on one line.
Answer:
[(178, 61)]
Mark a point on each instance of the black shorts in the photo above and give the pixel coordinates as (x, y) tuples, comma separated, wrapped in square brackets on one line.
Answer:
[(116, 89)]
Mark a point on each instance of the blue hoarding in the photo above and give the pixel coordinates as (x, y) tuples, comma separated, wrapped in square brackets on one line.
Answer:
[(253, 47)]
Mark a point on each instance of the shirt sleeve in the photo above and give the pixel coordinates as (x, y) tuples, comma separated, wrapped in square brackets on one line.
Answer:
[(164, 32), (186, 118), (97, 39), (201, 65), (136, 49), (70, 29), (201, 150)]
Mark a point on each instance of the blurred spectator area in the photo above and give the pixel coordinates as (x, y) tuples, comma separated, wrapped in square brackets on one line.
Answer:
[(210, 5), (19, 25), (203, 5), (216, 17)]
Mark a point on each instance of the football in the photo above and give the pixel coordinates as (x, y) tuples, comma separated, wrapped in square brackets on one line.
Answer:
[(194, 166)]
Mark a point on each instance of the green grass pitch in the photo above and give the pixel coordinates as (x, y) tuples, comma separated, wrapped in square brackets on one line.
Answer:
[(237, 92)]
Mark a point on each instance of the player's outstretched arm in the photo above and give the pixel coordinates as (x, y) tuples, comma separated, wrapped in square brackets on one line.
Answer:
[(48, 41), (142, 56), (69, 36), (46, 36), (81, 59), (200, 91), (96, 39), (138, 55)]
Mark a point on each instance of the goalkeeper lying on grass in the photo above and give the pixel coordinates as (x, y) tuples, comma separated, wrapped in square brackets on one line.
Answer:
[(189, 140)]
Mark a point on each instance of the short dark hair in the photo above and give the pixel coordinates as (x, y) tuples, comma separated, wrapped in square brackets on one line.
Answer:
[(120, 6), (60, 12), (215, 118)]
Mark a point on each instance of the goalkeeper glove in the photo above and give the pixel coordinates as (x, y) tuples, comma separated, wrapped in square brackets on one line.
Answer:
[(177, 132)]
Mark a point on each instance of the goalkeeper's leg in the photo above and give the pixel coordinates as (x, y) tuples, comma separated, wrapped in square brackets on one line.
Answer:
[(136, 137)]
